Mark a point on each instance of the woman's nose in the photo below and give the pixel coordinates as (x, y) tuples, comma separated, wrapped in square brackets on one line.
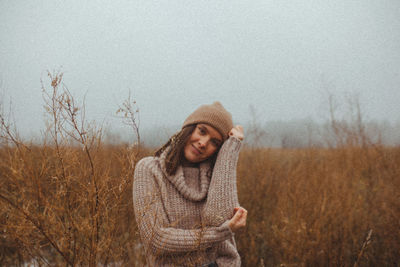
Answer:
[(202, 142)]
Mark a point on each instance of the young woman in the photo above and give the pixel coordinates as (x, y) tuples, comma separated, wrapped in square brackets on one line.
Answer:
[(185, 197)]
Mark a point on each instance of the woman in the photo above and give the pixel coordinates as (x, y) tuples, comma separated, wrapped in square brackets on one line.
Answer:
[(185, 198)]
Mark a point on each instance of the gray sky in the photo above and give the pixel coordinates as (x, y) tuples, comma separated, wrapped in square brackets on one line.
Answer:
[(279, 56)]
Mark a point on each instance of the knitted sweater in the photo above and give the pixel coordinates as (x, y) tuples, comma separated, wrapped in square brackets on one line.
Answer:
[(183, 218)]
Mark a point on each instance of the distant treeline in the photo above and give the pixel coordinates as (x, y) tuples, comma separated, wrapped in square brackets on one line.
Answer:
[(281, 134)]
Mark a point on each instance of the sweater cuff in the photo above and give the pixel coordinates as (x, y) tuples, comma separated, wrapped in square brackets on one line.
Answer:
[(225, 228)]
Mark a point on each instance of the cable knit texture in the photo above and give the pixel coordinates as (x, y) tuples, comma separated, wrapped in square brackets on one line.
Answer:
[(183, 219)]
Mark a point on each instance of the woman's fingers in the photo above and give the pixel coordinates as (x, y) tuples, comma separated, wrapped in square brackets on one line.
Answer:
[(238, 220), (238, 128), (237, 131), (236, 217), (243, 217)]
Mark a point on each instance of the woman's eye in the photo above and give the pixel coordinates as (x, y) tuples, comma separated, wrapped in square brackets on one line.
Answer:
[(202, 131)]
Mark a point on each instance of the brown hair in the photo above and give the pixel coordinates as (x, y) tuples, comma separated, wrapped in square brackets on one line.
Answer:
[(175, 155)]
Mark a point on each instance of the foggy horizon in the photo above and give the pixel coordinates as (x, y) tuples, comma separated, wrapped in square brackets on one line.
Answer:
[(282, 58)]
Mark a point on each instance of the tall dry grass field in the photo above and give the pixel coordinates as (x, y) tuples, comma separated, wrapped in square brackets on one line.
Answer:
[(307, 207), (68, 201), (321, 207)]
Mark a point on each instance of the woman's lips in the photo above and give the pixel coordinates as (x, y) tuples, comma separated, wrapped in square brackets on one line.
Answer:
[(195, 150)]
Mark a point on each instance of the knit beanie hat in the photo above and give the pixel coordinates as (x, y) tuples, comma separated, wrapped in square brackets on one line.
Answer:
[(215, 115)]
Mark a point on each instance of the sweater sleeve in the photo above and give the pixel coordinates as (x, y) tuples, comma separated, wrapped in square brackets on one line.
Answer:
[(155, 230), (222, 195), (227, 254)]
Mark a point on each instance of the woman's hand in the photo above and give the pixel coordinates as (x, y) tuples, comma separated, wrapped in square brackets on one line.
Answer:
[(238, 220), (237, 132)]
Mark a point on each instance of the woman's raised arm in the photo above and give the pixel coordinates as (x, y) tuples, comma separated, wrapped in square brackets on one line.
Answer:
[(222, 195)]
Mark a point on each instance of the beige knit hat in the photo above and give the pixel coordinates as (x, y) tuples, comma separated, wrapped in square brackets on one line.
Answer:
[(215, 115)]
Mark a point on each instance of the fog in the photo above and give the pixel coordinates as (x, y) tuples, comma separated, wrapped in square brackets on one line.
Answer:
[(284, 58)]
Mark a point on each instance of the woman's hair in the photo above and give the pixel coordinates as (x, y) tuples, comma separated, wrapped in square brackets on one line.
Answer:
[(175, 155)]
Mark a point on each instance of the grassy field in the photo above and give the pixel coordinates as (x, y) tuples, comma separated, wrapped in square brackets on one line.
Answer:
[(321, 207), (307, 207), (68, 201)]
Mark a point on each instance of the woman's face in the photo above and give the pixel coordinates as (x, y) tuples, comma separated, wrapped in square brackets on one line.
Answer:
[(202, 144)]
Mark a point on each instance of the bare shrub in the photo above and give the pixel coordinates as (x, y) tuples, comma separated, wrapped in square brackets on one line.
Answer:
[(68, 200), (255, 135), (349, 128)]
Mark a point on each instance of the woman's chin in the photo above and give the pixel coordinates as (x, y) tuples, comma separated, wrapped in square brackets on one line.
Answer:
[(191, 158)]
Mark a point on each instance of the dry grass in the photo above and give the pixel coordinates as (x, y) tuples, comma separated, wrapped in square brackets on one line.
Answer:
[(307, 207), (68, 201), (315, 207)]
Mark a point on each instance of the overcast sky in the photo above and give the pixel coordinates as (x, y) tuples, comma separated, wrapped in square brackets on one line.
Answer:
[(279, 56)]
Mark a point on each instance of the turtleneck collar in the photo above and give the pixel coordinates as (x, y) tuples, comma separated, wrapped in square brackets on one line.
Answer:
[(179, 181)]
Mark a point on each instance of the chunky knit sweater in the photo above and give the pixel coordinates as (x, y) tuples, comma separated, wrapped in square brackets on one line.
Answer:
[(183, 218)]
